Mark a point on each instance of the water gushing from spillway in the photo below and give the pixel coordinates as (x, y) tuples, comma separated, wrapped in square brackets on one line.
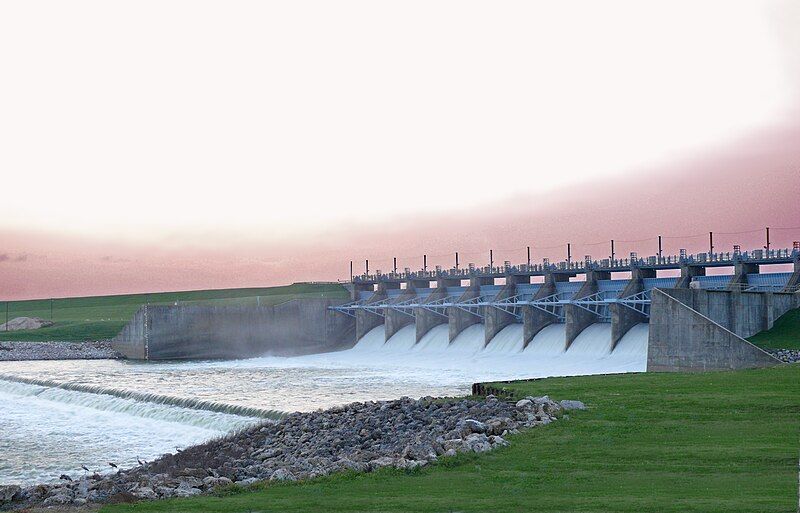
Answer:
[(58, 415)]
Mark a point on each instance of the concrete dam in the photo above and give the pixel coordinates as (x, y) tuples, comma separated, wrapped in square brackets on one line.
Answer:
[(573, 317)]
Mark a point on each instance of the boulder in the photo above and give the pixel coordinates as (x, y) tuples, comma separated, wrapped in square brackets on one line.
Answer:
[(25, 323), (282, 474), (10, 493), (568, 404)]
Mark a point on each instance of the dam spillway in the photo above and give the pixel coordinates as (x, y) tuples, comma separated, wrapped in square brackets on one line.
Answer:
[(696, 321), (545, 355)]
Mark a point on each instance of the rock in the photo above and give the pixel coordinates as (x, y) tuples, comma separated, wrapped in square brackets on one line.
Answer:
[(477, 442), (282, 474), (419, 452), (58, 499), (145, 493), (199, 473), (25, 323), (189, 482), (568, 404), (10, 493), (405, 434), (473, 426), (381, 462), (214, 482)]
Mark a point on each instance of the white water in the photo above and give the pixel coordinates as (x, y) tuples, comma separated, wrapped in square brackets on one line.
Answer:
[(403, 340), (549, 342), (46, 431), (510, 340), (592, 343), (435, 341), (633, 344), (470, 341)]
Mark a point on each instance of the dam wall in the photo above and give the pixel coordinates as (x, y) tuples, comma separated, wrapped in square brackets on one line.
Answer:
[(164, 332), (685, 338)]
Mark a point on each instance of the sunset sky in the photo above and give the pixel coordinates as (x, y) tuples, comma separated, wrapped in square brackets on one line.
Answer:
[(173, 145)]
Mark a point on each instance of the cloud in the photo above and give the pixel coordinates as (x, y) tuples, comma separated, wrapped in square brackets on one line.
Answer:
[(4, 257)]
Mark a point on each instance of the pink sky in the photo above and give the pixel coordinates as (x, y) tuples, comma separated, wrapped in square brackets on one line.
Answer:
[(750, 184), (266, 143)]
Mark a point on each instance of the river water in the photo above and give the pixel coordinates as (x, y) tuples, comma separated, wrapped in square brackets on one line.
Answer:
[(47, 429)]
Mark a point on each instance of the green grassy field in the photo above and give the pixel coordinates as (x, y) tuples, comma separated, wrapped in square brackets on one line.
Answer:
[(712, 442), (785, 334), (102, 317)]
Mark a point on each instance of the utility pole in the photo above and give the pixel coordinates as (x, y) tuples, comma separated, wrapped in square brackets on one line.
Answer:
[(612, 249), (659, 249), (529, 256), (366, 266), (491, 260), (456, 260), (351, 271), (767, 246), (569, 252), (394, 265), (425, 263), (710, 243)]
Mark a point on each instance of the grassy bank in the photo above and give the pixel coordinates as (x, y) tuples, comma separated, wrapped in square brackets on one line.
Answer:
[(102, 317), (709, 442), (785, 334)]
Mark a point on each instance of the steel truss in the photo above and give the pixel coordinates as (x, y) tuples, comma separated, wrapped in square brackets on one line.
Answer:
[(597, 303)]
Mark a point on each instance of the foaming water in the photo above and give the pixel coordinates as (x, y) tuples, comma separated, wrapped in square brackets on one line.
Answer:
[(592, 342), (549, 342), (46, 431), (70, 413), (508, 341), (403, 340), (435, 341), (469, 341), (374, 339), (634, 343)]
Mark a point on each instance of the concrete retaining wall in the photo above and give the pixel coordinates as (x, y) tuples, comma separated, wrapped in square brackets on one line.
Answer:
[(743, 313), (198, 331), (683, 339)]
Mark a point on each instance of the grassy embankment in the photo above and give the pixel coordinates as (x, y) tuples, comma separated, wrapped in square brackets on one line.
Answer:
[(713, 442), (785, 334), (102, 317)]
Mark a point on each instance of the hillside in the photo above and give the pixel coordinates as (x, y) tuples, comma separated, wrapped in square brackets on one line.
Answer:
[(102, 317)]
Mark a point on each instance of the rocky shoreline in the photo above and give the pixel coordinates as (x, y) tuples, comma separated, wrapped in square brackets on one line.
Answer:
[(25, 351), (361, 437), (786, 355)]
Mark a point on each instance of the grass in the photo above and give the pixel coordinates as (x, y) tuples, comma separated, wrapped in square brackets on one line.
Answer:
[(102, 317), (785, 334), (712, 442)]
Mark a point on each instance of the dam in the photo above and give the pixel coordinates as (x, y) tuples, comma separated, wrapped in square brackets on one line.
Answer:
[(663, 312)]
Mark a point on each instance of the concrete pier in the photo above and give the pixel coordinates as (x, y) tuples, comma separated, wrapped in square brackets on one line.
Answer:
[(396, 319), (497, 319), (577, 318), (458, 319), (365, 319), (622, 317)]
